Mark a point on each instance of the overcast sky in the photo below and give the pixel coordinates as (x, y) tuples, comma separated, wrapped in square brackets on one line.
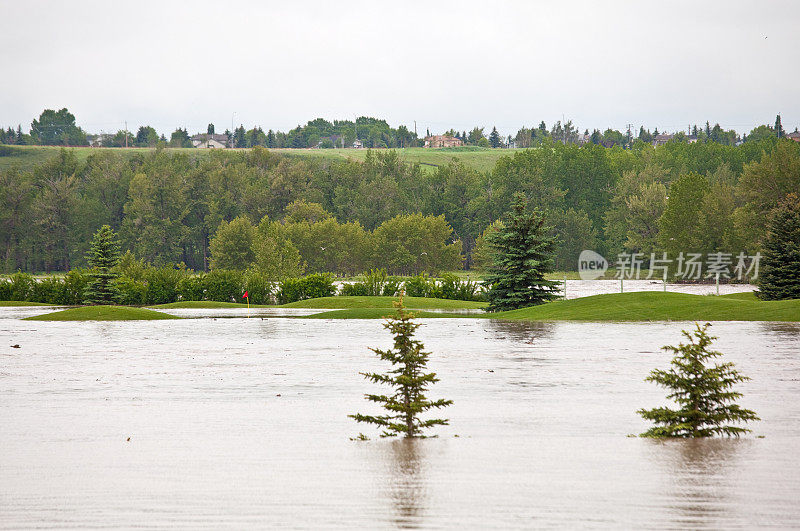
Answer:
[(444, 64)]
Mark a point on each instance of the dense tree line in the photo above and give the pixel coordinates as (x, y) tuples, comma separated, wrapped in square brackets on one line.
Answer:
[(167, 207)]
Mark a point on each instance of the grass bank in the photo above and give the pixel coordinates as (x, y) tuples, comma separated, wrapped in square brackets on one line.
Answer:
[(639, 306), (102, 313), (659, 306), (415, 303), (205, 305), (379, 313), (24, 303)]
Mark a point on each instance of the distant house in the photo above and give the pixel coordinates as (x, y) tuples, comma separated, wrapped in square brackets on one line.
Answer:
[(206, 141), (358, 144), (442, 141), (691, 139), (660, 140), (793, 136)]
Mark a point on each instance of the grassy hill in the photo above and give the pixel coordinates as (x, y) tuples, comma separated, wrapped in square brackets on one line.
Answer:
[(102, 313), (639, 306), (481, 159)]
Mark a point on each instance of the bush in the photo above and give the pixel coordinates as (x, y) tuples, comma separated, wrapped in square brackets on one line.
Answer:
[(192, 287), (463, 290), (162, 284), (259, 287), (5, 290), (308, 287), (75, 283), (392, 286), (224, 285), (131, 292), (48, 290), (357, 289), (418, 286), (21, 286)]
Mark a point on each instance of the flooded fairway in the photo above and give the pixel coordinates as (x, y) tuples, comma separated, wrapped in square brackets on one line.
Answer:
[(238, 422)]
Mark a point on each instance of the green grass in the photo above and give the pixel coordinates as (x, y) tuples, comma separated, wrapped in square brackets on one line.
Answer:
[(102, 313), (481, 159), (376, 313), (639, 306), (206, 305), (418, 303), (24, 303), (658, 306)]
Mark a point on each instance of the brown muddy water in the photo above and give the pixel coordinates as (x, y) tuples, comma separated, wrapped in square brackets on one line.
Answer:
[(241, 423)]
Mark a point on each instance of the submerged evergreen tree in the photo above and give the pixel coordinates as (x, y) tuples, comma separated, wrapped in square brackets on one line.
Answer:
[(522, 253), (102, 256), (780, 265), (408, 380), (703, 393)]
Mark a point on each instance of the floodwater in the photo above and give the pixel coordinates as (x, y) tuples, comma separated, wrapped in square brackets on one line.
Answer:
[(239, 423), (585, 288)]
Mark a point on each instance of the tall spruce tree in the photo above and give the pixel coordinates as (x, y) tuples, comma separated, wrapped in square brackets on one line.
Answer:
[(522, 253), (779, 277), (494, 138), (102, 256), (408, 380), (703, 393)]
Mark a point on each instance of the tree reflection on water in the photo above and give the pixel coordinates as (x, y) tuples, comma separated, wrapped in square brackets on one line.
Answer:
[(703, 474), (408, 486)]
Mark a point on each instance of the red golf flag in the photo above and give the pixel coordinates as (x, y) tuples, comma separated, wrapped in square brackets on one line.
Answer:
[(245, 295)]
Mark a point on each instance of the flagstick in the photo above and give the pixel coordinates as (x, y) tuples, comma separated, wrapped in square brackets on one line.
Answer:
[(248, 306)]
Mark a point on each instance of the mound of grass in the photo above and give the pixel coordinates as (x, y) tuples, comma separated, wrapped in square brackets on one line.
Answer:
[(658, 306), (24, 303), (744, 296), (102, 313), (375, 313), (205, 305), (412, 303)]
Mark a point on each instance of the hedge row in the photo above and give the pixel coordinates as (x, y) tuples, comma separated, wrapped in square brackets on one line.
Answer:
[(161, 285)]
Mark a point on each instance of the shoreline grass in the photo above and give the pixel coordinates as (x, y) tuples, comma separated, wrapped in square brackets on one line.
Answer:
[(25, 303), (659, 306), (103, 313), (412, 303), (641, 306)]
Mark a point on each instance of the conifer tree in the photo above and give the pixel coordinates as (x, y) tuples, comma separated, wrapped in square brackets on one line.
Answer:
[(494, 138), (522, 253), (703, 393), (102, 256), (780, 265), (408, 380)]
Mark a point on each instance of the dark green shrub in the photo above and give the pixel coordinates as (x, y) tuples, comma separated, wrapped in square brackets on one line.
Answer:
[(454, 288), (392, 286), (309, 287), (75, 283), (418, 286), (5, 290), (131, 292), (21, 286), (49, 290), (192, 287), (259, 287), (224, 285), (162, 284), (357, 289)]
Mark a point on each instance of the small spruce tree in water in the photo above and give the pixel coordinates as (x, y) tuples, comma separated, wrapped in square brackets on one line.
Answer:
[(102, 256), (704, 394), (408, 380)]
